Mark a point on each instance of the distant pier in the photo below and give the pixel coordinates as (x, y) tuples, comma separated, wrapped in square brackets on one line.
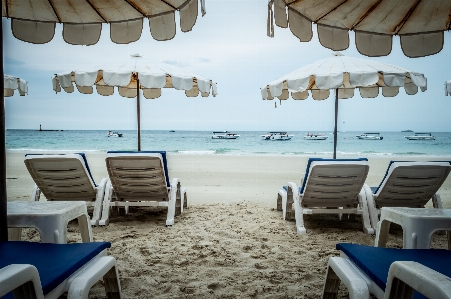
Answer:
[(41, 130)]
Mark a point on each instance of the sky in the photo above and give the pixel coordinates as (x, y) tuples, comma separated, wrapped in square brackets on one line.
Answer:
[(228, 45)]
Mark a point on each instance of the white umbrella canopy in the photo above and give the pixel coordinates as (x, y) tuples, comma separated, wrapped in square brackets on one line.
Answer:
[(34, 21), (135, 74), (344, 74), (448, 88), (152, 78), (11, 83), (420, 24)]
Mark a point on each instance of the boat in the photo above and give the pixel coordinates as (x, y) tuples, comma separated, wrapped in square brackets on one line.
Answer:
[(114, 134), (224, 135), (421, 136), (172, 131), (277, 136), (370, 136), (406, 131), (315, 137)]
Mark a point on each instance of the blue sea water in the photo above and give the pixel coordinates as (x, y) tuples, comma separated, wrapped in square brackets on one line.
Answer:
[(250, 143)]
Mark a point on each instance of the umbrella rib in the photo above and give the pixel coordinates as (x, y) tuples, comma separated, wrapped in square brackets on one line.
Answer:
[(404, 20), (97, 12), (184, 4), (330, 12), (366, 14), (136, 8), (54, 11), (169, 4)]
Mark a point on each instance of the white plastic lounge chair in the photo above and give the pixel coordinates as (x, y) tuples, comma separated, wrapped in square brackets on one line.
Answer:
[(389, 272), (407, 184), (45, 270), (141, 179), (329, 186), (65, 178)]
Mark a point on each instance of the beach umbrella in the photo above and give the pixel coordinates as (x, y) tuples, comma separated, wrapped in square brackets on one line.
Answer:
[(448, 88), (131, 76), (34, 21), (419, 24), (344, 74), (11, 83)]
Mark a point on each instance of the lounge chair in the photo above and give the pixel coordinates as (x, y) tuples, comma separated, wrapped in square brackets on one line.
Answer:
[(141, 179), (329, 186), (407, 184), (389, 272), (65, 178), (45, 270)]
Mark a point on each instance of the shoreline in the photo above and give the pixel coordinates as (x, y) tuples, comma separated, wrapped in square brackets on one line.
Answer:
[(213, 153)]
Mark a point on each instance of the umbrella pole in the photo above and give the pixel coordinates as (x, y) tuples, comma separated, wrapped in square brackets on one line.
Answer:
[(3, 196), (335, 130), (138, 114)]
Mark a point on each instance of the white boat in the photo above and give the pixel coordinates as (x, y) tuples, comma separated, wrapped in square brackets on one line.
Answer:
[(277, 136), (114, 134), (224, 135), (315, 137), (421, 136), (370, 136)]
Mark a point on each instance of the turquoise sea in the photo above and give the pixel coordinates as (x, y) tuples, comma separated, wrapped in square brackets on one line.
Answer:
[(249, 143)]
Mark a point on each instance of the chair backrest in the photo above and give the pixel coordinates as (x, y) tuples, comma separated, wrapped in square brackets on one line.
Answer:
[(62, 177), (333, 182), (137, 176), (410, 184)]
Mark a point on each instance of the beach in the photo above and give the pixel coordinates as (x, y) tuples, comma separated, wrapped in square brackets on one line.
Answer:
[(231, 242)]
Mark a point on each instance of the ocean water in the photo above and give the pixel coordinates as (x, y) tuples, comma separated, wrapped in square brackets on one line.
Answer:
[(250, 143)]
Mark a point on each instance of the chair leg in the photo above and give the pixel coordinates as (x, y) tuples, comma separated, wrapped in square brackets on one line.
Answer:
[(363, 203), (437, 201), (340, 269), (372, 209), (289, 215), (279, 202), (106, 204), (105, 267), (299, 215), (185, 200), (178, 201)]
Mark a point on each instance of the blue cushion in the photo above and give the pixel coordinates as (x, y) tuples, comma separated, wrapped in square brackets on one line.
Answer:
[(310, 160), (55, 262), (84, 159), (375, 189), (375, 261), (163, 154)]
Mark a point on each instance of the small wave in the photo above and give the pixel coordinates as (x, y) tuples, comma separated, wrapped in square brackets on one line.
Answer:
[(52, 150), (196, 152)]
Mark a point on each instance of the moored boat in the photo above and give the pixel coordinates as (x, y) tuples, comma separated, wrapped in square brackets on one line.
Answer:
[(224, 135), (370, 136), (114, 134), (315, 137), (421, 136), (277, 136)]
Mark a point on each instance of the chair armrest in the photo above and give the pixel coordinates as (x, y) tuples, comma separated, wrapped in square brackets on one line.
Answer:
[(21, 278), (404, 277)]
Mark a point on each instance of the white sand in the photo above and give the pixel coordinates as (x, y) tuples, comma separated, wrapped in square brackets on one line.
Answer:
[(230, 242)]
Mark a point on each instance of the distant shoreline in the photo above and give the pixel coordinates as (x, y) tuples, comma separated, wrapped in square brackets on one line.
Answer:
[(202, 153)]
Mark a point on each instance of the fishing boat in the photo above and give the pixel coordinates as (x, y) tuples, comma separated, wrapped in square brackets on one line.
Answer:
[(277, 136), (315, 137), (224, 135), (370, 136), (421, 136), (114, 134)]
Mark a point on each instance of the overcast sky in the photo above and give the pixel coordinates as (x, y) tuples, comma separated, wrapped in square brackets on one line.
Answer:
[(230, 46)]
